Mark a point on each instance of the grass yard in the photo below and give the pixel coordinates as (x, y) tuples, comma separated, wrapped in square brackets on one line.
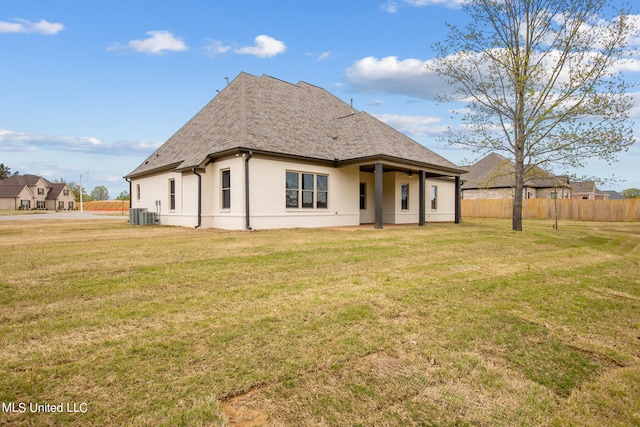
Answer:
[(468, 324)]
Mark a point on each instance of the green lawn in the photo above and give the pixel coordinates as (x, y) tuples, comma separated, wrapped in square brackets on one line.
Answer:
[(469, 324)]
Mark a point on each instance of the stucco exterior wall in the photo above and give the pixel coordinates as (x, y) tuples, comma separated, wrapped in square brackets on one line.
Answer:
[(267, 196), (268, 210)]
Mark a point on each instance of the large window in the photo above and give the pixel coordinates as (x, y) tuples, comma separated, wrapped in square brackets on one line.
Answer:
[(172, 194), (404, 200), (434, 197), (306, 190), (226, 189)]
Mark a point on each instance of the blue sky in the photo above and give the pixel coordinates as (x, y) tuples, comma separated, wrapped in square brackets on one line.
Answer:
[(95, 86)]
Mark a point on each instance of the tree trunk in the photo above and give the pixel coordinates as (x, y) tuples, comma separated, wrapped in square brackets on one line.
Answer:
[(516, 217)]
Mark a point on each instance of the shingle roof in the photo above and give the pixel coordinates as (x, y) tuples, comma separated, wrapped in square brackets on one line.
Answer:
[(496, 171), (26, 179), (55, 190), (10, 190), (301, 120)]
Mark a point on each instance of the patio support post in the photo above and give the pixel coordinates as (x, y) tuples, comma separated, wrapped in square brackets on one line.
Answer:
[(378, 172), (422, 199), (458, 214)]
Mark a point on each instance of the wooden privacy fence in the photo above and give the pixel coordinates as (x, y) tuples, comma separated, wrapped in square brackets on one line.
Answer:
[(576, 209)]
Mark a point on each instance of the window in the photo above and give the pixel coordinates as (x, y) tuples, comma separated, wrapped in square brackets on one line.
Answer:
[(65, 192), (306, 190), (292, 189), (404, 192), (172, 194), (322, 191), (70, 206), (434, 197), (138, 191), (226, 189), (363, 196), (40, 191), (25, 204), (60, 205), (40, 204)]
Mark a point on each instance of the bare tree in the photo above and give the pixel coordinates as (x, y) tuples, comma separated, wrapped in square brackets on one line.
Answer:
[(541, 81)]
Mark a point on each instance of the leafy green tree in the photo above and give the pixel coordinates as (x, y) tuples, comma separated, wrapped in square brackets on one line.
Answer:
[(75, 189), (631, 193), (124, 195), (5, 171), (540, 82), (100, 192)]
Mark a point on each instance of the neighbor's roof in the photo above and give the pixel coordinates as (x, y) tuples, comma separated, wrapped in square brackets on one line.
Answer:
[(11, 190), (496, 171), (26, 179), (269, 115)]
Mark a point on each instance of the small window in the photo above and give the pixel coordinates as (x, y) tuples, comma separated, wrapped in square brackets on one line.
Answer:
[(404, 201), (292, 189), (65, 192), (363, 196), (322, 190), (172, 194), (226, 189), (138, 191), (434, 197), (40, 191)]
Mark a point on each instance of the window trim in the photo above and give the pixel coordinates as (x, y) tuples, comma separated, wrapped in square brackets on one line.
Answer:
[(172, 194), (404, 196), (363, 196), (434, 197), (223, 189), (302, 190)]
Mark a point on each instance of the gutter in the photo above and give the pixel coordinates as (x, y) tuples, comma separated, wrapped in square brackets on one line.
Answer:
[(199, 197), (130, 195), (246, 189)]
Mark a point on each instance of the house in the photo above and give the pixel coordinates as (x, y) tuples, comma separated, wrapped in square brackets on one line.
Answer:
[(614, 195), (265, 153), (24, 192), (493, 177), (587, 190)]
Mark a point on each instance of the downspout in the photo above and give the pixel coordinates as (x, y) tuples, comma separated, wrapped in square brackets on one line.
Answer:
[(130, 195), (199, 197), (246, 189)]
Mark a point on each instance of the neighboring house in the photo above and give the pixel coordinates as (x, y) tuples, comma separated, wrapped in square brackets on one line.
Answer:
[(493, 177), (614, 195), (265, 153), (24, 192), (587, 190)]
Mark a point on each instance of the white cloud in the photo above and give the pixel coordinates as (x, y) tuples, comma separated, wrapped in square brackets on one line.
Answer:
[(215, 48), (390, 75), (25, 142), (158, 42), (414, 126), (324, 55), (264, 47), (393, 5), (24, 26)]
